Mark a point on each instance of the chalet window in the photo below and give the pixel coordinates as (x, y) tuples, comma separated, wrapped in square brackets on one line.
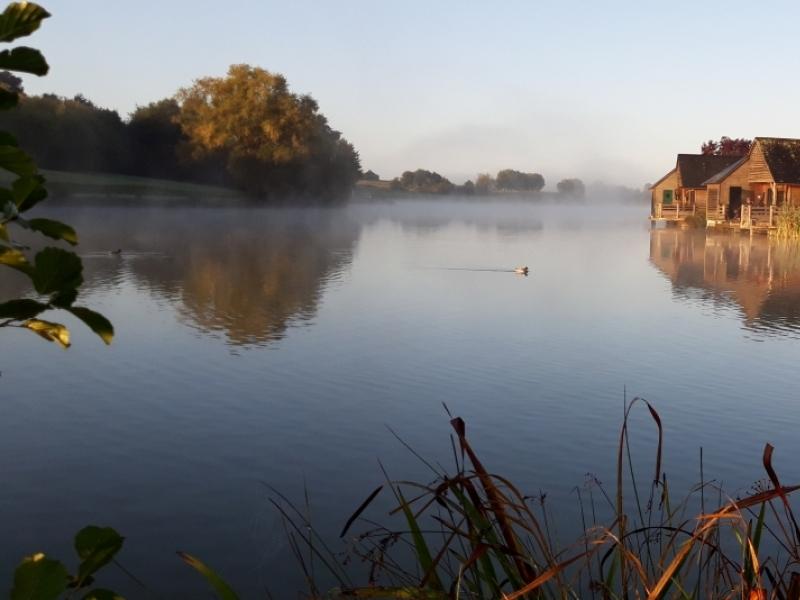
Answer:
[(666, 197), (781, 197)]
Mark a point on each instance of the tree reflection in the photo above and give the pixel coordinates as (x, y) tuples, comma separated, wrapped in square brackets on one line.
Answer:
[(246, 274), (760, 276)]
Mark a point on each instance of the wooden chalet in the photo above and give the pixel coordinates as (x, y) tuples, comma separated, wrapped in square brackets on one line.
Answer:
[(683, 191), (746, 192)]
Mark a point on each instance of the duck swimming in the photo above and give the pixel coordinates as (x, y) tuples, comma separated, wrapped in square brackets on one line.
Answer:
[(521, 270)]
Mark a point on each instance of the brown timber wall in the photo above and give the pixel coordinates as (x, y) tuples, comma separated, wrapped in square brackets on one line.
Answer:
[(738, 178), (759, 170)]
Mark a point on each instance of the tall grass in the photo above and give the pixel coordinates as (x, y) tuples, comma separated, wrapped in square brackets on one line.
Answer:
[(698, 220), (473, 534), (788, 223)]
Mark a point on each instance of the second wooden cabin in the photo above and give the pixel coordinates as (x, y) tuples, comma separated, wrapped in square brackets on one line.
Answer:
[(747, 191)]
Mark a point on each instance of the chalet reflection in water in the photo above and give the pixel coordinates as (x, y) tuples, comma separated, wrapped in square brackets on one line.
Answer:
[(758, 275)]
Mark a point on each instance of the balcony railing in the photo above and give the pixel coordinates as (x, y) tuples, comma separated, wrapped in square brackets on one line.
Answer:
[(759, 216), (673, 212)]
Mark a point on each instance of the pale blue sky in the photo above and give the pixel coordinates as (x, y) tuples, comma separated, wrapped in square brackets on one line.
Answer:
[(600, 90)]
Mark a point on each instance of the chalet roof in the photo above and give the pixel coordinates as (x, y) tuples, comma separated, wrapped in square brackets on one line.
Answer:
[(722, 175), (783, 158), (695, 169), (652, 185)]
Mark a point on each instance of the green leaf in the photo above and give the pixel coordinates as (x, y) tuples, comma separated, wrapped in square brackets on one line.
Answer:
[(423, 553), (15, 160), (96, 546), (33, 198), (16, 260), (64, 299), (20, 19), (6, 139), (8, 99), (96, 322), (54, 229), (102, 595), (57, 271), (25, 60), (20, 310), (9, 207), (222, 589), (24, 186), (52, 332), (39, 578)]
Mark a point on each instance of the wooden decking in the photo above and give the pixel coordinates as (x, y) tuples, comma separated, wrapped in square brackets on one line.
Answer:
[(754, 218), (672, 212), (759, 217)]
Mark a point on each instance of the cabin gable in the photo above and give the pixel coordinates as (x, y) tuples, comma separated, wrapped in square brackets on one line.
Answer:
[(759, 169), (667, 183), (663, 192), (782, 157)]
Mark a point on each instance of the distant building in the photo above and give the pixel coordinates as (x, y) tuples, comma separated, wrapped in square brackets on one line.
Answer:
[(370, 176), (747, 191)]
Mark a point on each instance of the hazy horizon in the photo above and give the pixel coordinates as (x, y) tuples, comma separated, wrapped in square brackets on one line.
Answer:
[(606, 92)]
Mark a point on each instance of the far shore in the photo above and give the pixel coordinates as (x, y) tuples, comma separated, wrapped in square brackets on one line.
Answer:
[(103, 188)]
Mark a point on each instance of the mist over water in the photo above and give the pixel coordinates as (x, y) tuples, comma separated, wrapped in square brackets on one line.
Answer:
[(274, 345)]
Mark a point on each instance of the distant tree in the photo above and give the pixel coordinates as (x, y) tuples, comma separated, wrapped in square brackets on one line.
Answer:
[(70, 134), (370, 176), (727, 146), (509, 179), (396, 185), (274, 142), (427, 182), (572, 188), (484, 184), (11, 82), (407, 179), (155, 136), (468, 189)]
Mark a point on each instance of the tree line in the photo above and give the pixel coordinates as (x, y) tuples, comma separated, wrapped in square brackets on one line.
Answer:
[(506, 180), (246, 130), (726, 146)]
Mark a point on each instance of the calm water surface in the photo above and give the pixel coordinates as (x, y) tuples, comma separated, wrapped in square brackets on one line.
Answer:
[(261, 346)]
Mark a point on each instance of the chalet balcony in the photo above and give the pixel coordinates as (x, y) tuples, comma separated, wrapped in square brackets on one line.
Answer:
[(672, 212), (759, 217)]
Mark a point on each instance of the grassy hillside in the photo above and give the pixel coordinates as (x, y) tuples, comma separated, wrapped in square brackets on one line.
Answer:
[(103, 185)]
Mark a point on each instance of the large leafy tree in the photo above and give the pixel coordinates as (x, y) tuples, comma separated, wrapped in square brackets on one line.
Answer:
[(154, 134), (509, 179), (55, 273), (69, 134), (573, 188), (727, 146), (273, 142), (426, 182)]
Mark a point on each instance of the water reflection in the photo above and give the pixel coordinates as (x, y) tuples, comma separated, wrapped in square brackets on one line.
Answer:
[(759, 275), (247, 275), (428, 218)]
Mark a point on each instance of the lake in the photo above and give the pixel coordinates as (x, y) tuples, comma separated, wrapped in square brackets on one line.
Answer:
[(262, 347)]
